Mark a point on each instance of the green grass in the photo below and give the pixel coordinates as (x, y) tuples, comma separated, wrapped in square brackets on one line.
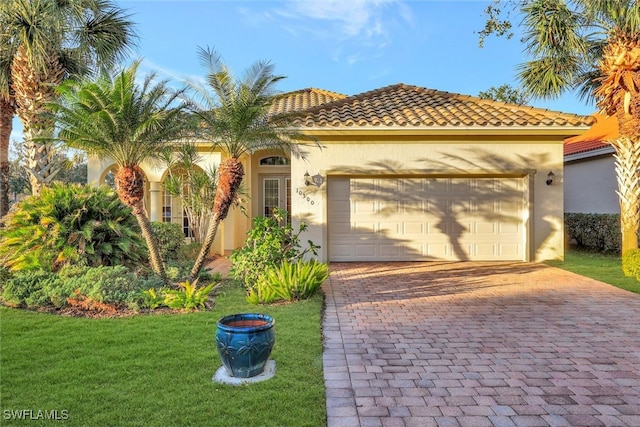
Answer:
[(602, 267), (156, 370)]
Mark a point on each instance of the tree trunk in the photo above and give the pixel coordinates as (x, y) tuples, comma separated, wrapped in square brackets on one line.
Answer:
[(33, 89), (7, 111), (147, 233), (230, 174), (627, 164), (130, 187), (212, 230)]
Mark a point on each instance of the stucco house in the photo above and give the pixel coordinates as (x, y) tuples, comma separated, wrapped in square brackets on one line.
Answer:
[(405, 173), (589, 170)]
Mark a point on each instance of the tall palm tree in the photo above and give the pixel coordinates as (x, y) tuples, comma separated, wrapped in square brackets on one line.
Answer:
[(128, 122), (48, 41), (234, 118), (593, 46), (7, 111)]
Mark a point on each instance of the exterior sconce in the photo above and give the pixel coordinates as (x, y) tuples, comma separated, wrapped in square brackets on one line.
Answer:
[(550, 177), (316, 179)]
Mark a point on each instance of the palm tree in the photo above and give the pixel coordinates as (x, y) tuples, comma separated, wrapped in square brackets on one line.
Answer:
[(127, 122), (593, 46), (234, 118), (46, 42), (7, 111)]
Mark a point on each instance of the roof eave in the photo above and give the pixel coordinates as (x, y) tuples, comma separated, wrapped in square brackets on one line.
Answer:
[(589, 153), (562, 131)]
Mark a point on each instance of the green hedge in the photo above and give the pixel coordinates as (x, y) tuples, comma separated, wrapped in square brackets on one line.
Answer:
[(600, 232), (596, 231)]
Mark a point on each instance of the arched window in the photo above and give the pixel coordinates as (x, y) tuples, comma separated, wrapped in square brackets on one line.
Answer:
[(275, 161)]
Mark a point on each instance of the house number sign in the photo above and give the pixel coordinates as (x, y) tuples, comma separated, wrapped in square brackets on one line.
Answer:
[(305, 197)]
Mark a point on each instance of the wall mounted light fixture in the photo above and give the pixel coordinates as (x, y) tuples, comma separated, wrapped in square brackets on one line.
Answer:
[(316, 179), (550, 177)]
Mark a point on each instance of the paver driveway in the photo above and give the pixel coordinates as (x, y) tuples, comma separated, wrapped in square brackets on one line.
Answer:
[(478, 344)]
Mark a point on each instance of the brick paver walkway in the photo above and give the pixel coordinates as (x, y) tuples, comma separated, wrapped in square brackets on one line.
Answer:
[(478, 344)]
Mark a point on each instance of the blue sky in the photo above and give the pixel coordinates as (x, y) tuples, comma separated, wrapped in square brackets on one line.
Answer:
[(346, 46)]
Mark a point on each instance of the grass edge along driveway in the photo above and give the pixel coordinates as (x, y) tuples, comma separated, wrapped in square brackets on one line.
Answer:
[(606, 268)]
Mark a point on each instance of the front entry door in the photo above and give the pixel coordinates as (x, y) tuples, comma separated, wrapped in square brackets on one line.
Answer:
[(276, 193)]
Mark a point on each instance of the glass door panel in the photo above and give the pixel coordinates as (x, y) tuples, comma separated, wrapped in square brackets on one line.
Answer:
[(271, 195), (276, 193)]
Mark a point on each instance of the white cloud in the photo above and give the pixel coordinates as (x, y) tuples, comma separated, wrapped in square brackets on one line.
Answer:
[(353, 18), (351, 26)]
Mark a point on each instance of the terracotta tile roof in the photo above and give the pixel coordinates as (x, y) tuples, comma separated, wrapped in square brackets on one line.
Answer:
[(413, 106), (595, 138), (302, 100)]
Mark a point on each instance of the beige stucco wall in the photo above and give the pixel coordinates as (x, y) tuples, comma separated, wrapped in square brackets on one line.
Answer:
[(393, 156), (590, 186)]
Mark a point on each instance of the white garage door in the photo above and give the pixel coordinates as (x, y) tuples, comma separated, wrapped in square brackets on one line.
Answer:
[(412, 219)]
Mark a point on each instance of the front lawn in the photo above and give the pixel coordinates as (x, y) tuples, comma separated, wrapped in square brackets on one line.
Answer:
[(605, 268), (155, 370)]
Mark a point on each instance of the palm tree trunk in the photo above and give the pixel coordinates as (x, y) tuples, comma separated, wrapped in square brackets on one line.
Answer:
[(147, 233), (130, 188), (7, 111), (212, 230), (627, 164), (32, 91), (230, 174)]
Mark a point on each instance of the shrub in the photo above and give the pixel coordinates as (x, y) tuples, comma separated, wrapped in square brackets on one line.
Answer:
[(116, 285), (170, 239), (268, 244), (597, 231), (70, 224), (631, 263), (190, 251), (29, 288), (289, 282)]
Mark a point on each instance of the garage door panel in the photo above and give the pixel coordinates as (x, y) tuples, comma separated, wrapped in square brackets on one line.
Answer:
[(390, 250), (426, 219), (365, 251), (413, 228), (364, 228), (485, 228)]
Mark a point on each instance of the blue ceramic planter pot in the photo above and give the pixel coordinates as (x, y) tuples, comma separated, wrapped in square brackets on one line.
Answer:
[(244, 342)]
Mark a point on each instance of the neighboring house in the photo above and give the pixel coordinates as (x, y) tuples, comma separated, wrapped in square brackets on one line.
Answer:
[(406, 173), (589, 170)]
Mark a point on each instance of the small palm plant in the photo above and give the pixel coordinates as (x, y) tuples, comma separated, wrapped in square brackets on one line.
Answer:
[(70, 224), (234, 116), (118, 118)]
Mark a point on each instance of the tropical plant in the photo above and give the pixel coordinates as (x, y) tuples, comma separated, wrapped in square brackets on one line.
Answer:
[(189, 297), (70, 224), (268, 244), (234, 118), (127, 121), (152, 298), (592, 46), (195, 187), (43, 43), (289, 282)]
